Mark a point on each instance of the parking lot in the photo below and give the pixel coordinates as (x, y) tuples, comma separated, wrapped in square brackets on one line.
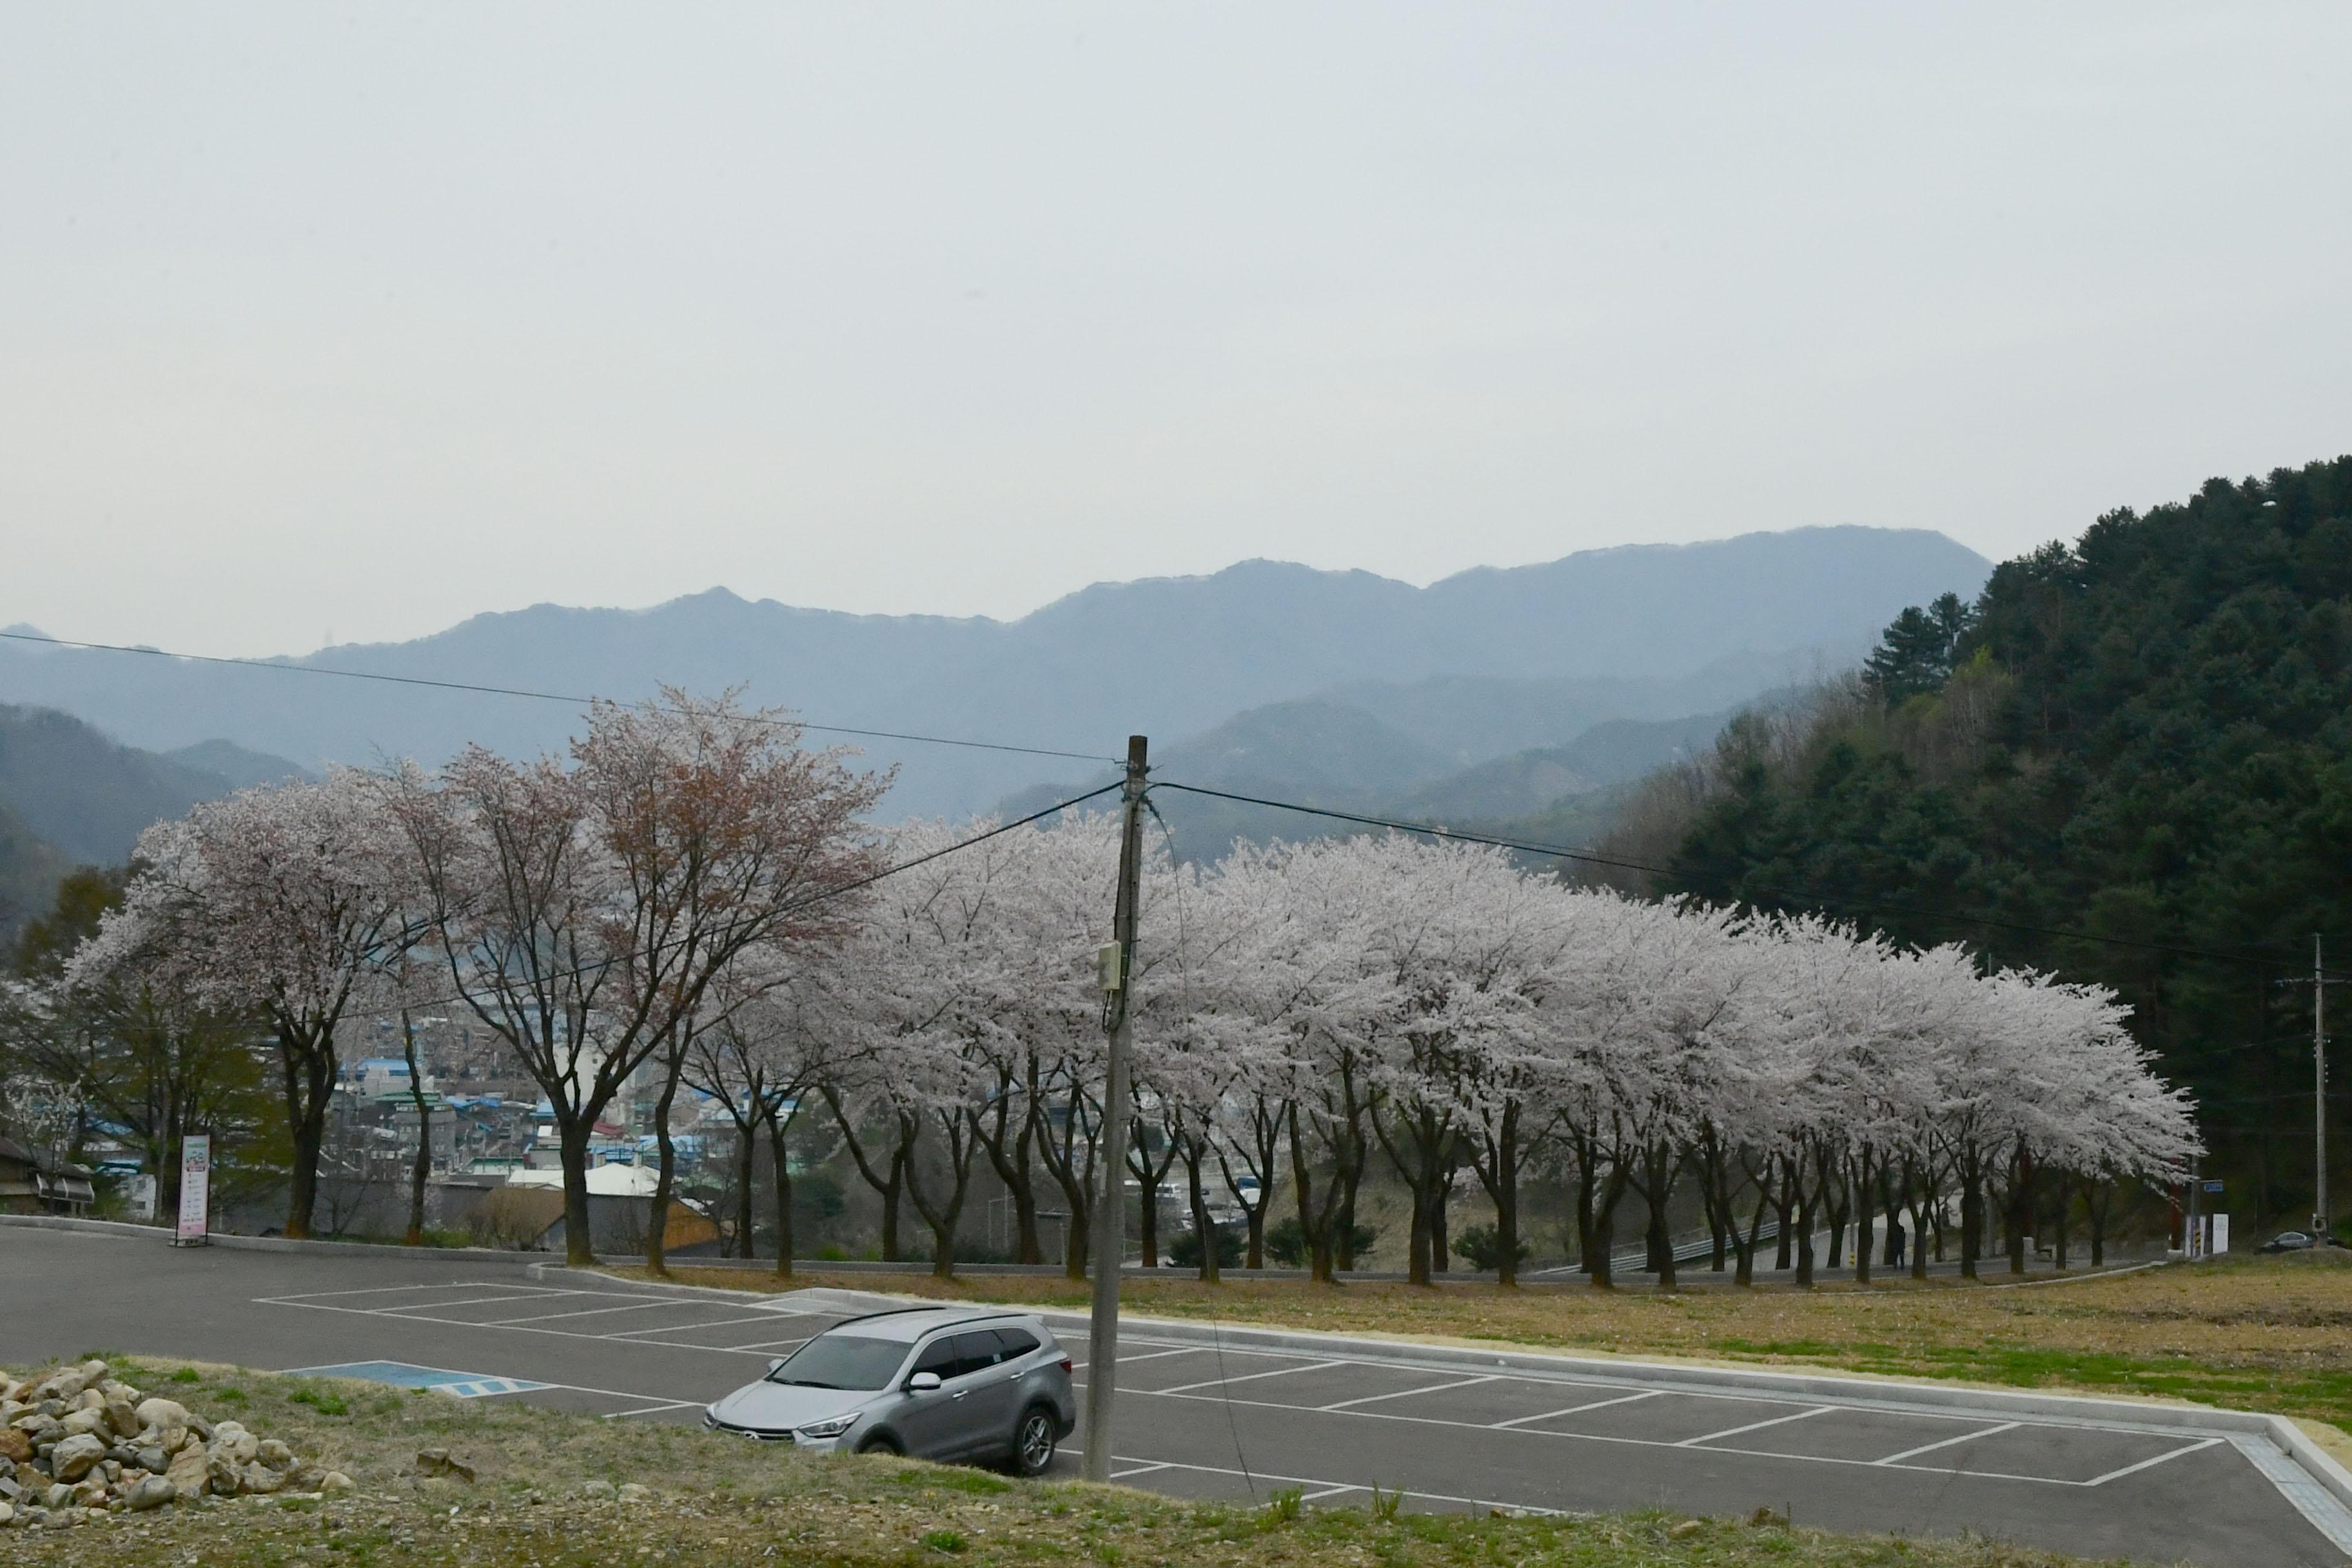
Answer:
[(1213, 1420)]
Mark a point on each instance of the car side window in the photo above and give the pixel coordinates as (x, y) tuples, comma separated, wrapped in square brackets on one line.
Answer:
[(977, 1351), (938, 1356), (1017, 1342)]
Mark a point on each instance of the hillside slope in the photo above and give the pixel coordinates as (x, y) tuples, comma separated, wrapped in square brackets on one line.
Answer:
[(2144, 737), (70, 795)]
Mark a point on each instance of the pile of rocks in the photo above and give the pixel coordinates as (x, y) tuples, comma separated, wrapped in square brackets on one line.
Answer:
[(78, 1443)]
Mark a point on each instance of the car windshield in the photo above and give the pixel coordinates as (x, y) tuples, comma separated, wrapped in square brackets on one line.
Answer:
[(842, 1361)]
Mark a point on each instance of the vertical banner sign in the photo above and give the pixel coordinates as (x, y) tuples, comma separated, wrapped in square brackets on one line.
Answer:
[(195, 1180)]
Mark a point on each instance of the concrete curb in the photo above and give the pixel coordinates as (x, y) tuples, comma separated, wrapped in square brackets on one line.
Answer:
[(1832, 1388), (127, 1231)]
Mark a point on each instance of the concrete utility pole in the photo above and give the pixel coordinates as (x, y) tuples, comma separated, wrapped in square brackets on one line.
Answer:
[(2319, 983), (2319, 1091), (1110, 1211)]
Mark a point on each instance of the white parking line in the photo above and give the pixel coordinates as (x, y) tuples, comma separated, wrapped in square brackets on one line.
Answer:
[(2150, 1464), (1931, 1447), (461, 1301), (1141, 1469), (1757, 1427), (1255, 1476), (1246, 1377), (1399, 1394), (1592, 1404), (1155, 1355), (453, 1285), (575, 1312), (493, 1328), (713, 1324), (651, 1409), (1326, 1491), (762, 1345)]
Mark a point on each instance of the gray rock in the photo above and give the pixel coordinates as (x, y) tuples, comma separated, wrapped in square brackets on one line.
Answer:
[(632, 1491), (260, 1479), (58, 1496), (160, 1413), (334, 1481), (120, 1418), (188, 1472), (275, 1454), (74, 1458), (80, 1420), (150, 1492), (152, 1459), (603, 1489)]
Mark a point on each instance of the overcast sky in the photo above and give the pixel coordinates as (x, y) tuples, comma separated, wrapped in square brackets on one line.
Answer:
[(353, 323)]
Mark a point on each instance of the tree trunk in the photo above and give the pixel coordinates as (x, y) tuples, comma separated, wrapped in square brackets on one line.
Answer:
[(2020, 1206), (1498, 1173), (2062, 1200), (423, 1169), (1865, 1222), (747, 1156), (308, 1060), (665, 1183), (1971, 1215), (1196, 1151), (1604, 1225), (572, 1132)]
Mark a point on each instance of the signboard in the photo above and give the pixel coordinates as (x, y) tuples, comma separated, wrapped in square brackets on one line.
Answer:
[(2213, 1187), (196, 1182), (2220, 1242)]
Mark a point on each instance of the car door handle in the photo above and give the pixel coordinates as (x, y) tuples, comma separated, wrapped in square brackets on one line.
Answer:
[(959, 1393)]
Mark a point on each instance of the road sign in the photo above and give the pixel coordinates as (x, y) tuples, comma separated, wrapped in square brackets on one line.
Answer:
[(2212, 1186), (195, 1183)]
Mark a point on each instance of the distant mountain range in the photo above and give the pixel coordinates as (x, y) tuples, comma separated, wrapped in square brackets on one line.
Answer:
[(1473, 668)]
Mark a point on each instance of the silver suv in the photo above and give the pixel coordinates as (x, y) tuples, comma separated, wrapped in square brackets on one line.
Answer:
[(934, 1383)]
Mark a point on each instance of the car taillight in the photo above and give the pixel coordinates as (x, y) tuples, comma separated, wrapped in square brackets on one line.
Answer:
[(1066, 1363)]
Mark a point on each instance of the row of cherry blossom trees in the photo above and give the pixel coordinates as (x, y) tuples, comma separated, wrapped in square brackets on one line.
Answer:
[(1307, 1011), (691, 894)]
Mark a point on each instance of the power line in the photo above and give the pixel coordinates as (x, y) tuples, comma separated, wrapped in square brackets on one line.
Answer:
[(1588, 857), (580, 969), (535, 696)]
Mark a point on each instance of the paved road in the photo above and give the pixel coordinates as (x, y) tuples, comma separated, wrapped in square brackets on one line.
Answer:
[(1202, 1421)]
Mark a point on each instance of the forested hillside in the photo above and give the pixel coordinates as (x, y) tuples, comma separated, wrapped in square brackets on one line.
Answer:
[(2144, 737)]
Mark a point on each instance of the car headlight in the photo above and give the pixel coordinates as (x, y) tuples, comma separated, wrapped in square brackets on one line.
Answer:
[(831, 1426)]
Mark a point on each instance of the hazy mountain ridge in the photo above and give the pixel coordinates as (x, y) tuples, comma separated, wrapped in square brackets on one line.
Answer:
[(68, 795), (1167, 656)]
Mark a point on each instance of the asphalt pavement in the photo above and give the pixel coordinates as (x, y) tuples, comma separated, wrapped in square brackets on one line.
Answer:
[(1215, 1420)]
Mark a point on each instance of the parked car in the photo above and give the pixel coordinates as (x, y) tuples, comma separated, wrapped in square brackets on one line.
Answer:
[(932, 1383), (2288, 1241)]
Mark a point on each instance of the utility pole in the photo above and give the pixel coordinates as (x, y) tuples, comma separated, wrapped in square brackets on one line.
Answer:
[(2319, 983), (1117, 962), (2319, 1093)]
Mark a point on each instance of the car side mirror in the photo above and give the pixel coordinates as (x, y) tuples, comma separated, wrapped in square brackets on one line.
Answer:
[(773, 1364), (923, 1383)]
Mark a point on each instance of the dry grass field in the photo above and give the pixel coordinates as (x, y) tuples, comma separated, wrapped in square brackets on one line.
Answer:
[(2253, 1333), (713, 1500)]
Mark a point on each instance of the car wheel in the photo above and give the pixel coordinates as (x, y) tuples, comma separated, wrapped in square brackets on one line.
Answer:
[(882, 1443), (1034, 1441)]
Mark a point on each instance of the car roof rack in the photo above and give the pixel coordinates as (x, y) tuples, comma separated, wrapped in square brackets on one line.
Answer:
[(975, 1314)]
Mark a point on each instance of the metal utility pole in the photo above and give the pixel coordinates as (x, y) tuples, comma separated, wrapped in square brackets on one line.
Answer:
[(1110, 1211)]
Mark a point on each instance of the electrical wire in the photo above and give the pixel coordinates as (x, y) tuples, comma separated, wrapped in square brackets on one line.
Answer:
[(480, 690), (603, 964), (2252, 954)]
